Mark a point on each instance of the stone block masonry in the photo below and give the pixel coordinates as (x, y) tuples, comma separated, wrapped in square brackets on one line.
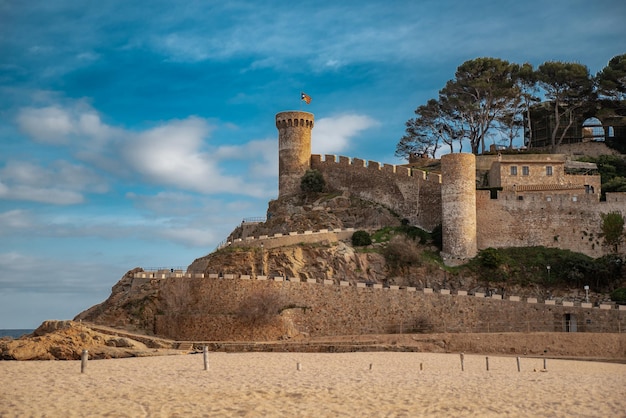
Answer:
[(413, 194), (326, 310)]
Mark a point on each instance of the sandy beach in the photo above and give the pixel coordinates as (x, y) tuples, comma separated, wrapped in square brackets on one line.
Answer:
[(373, 384)]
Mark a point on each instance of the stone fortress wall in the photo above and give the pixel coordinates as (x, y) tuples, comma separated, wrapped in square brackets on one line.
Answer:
[(413, 194), (329, 308), (553, 215)]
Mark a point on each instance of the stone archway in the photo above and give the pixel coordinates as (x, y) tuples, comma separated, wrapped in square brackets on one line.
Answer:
[(593, 130)]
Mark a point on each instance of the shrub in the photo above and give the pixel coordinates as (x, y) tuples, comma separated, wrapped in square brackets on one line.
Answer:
[(312, 182), (619, 295), (361, 239), (401, 253), (490, 258)]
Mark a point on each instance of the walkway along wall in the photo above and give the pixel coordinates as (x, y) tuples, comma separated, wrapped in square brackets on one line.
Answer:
[(205, 308)]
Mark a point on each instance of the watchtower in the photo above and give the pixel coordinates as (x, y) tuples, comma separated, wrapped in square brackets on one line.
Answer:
[(458, 205), (294, 149)]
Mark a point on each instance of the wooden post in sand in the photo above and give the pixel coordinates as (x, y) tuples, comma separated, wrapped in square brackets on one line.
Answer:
[(545, 365), (298, 366), (205, 355), (462, 362), (83, 361), (518, 367), (487, 362)]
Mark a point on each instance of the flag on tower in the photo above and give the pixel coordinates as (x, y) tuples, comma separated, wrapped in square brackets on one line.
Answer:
[(305, 97)]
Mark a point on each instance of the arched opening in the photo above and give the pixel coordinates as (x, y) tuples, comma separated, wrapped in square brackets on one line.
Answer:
[(593, 130)]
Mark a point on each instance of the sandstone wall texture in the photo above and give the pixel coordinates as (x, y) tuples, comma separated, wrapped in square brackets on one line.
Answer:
[(294, 149), (517, 219), (458, 195), (412, 194), (210, 312)]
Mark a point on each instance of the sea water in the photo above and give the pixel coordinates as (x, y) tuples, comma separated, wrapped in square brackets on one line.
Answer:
[(14, 333)]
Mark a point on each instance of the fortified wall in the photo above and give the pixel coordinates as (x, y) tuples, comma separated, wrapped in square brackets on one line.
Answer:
[(412, 194), (538, 207), (211, 306)]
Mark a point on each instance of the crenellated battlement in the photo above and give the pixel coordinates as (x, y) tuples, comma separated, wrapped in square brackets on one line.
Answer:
[(294, 119), (360, 164)]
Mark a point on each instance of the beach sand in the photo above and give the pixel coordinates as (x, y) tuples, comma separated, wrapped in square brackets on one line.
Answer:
[(327, 385)]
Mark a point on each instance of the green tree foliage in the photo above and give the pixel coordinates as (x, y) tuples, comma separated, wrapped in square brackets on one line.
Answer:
[(619, 295), (489, 93), (312, 182), (569, 86), (478, 98), (480, 94), (528, 265), (611, 80), (613, 230), (490, 258), (428, 131), (612, 170), (361, 239)]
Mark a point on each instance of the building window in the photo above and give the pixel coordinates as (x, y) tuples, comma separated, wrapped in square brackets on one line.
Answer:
[(525, 170), (520, 197), (514, 170), (549, 198), (548, 170), (574, 198)]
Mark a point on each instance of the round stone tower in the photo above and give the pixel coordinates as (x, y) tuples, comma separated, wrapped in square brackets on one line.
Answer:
[(294, 149), (458, 206)]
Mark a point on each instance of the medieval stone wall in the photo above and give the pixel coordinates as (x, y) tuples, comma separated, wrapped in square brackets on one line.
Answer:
[(566, 221), (210, 312), (413, 194), (557, 210)]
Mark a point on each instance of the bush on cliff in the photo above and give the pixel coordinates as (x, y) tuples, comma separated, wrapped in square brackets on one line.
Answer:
[(619, 295), (361, 239), (312, 182)]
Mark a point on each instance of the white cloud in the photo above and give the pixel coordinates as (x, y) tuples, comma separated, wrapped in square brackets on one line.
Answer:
[(14, 219), (174, 154), (332, 135), (50, 124), (61, 184)]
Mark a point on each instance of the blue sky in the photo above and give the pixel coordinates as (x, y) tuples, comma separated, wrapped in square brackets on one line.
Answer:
[(141, 133)]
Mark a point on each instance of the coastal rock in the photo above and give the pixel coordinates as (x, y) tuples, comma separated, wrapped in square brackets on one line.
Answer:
[(66, 340)]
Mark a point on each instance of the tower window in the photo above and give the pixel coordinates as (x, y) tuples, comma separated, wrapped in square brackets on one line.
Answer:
[(548, 170), (525, 170), (514, 170)]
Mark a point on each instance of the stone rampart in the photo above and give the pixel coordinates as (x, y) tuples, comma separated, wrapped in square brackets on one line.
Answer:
[(291, 238), (324, 310), (517, 219), (413, 194)]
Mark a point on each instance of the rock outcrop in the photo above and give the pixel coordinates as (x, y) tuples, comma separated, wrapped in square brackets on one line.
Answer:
[(66, 340)]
